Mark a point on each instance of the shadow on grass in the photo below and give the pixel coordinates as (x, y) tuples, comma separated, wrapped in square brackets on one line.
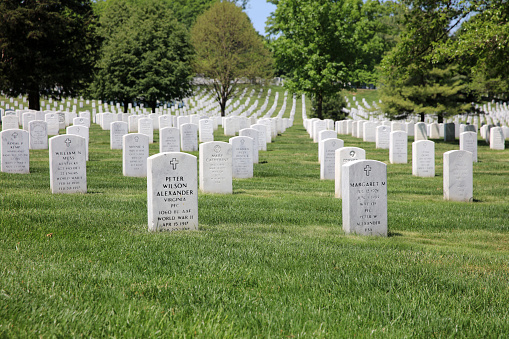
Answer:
[(393, 234)]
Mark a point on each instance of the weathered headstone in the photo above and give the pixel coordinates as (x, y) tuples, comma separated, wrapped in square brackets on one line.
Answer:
[(68, 165), (134, 155), (169, 139), (423, 158), (216, 167), (328, 156), (398, 149), (345, 155), (497, 139), (38, 134), (468, 142), (14, 151), (242, 157), (364, 193), (188, 137), (117, 131), (172, 192), (420, 131), (458, 176), (449, 132), (83, 132), (383, 135)]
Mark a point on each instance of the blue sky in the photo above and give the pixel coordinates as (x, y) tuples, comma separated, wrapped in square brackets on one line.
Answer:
[(258, 11)]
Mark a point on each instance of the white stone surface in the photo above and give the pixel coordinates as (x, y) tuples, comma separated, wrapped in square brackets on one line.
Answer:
[(468, 142), (255, 135), (14, 151), (169, 139), (383, 135), (328, 156), (242, 157), (172, 192), (38, 134), (364, 192), (134, 155), (369, 132), (420, 131), (188, 137), (117, 131), (206, 130), (67, 164), (216, 167), (423, 158), (10, 122), (262, 133), (458, 176), (146, 126), (53, 123), (497, 139), (343, 156), (83, 132), (398, 147)]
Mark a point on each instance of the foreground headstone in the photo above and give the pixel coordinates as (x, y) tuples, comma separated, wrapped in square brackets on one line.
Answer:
[(458, 176), (343, 156), (423, 158), (14, 151), (67, 164), (216, 167), (364, 191), (38, 134), (134, 155), (172, 192)]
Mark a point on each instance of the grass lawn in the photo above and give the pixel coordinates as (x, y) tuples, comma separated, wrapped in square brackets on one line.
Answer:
[(270, 260)]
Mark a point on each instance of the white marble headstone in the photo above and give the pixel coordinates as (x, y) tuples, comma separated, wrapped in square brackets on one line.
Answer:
[(383, 134), (458, 176), (134, 155), (38, 134), (117, 131), (328, 156), (10, 122), (68, 164), (254, 134), (364, 192), (172, 192), (82, 131), (497, 139), (423, 158), (188, 137), (468, 142), (216, 167), (343, 156), (14, 151), (242, 157), (169, 139), (398, 147)]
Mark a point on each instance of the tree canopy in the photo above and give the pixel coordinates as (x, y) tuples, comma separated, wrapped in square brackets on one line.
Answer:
[(228, 50), (146, 55), (47, 47)]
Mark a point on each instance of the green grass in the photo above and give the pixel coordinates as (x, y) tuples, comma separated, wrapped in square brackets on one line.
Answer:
[(270, 260)]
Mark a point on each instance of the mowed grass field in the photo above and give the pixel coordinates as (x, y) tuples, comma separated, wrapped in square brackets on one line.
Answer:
[(270, 260)]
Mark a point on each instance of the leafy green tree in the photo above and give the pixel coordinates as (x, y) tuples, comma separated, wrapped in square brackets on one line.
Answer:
[(228, 50), (332, 107), (47, 47), (321, 46), (146, 55)]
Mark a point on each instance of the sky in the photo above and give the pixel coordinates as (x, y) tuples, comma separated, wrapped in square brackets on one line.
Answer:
[(258, 11)]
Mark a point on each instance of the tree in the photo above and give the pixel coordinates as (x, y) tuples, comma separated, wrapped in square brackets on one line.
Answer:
[(332, 107), (322, 46), (146, 55), (228, 50), (47, 47)]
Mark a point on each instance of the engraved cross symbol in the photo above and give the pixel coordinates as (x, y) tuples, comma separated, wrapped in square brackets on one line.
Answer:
[(68, 142), (174, 162), (367, 169), (15, 135), (136, 138)]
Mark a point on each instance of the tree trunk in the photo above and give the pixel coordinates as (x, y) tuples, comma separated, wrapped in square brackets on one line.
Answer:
[(422, 116), (34, 100), (126, 104), (440, 118), (222, 104)]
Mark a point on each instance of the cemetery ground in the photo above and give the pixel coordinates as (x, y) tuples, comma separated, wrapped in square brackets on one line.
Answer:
[(269, 260)]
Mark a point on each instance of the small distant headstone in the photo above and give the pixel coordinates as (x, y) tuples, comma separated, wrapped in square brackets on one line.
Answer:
[(343, 156), (383, 134), (117, 131), (262, 136), (10, 122), (83, 132), (146, 126), (328, 156), (14, 151), (172, 192), (67, 163), (242, 157), (132, 122), (254, 134), (364, 192), (61, 120), (458, 176), (27, 117), (434, 131), (169, 139), (189, 137), (322, 135), (497, 139), (216, 167), (449, 132), (369, 133), (398, 149), (423, 158), (53, 123), (38, 134), (468, 142), (164, 121), (134, 155), (206, 130), (79, 121), (420, 131)]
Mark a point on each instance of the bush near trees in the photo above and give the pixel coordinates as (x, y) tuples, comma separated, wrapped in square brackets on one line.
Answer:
[(228, 50), (47, 47)]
